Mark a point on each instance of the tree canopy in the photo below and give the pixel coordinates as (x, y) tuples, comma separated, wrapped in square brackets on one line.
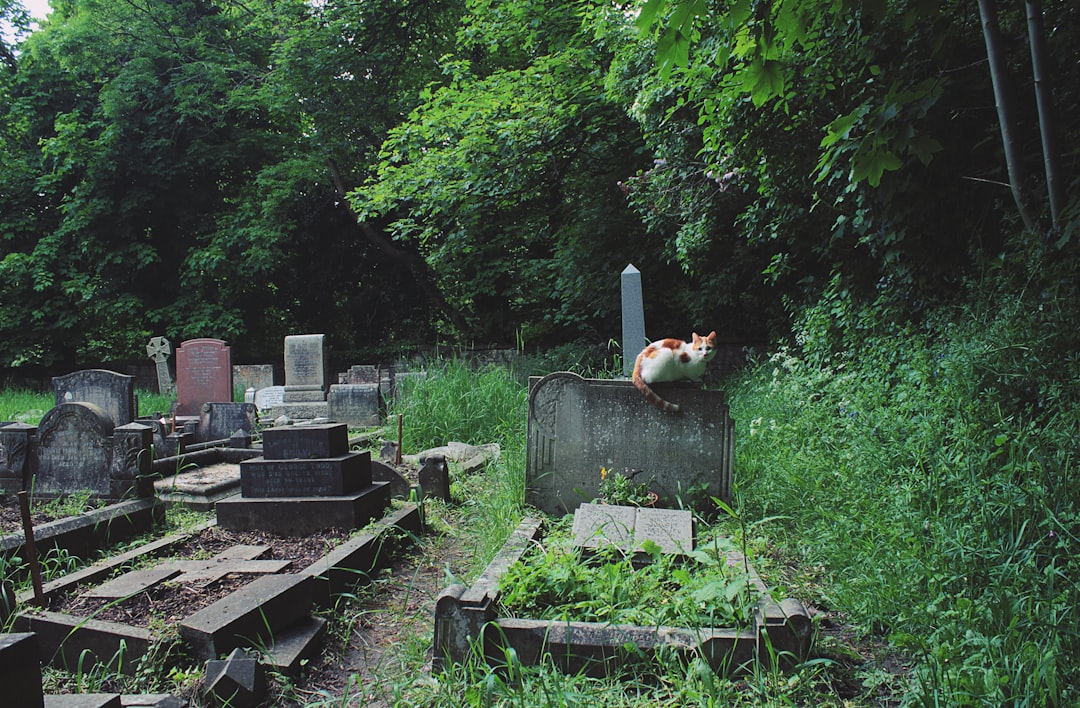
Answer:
[(397, 172)]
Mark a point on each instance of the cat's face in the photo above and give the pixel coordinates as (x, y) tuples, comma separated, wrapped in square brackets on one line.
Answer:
[(705, 347)]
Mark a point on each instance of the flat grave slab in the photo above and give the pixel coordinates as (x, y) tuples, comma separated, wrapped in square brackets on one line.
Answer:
[(200, 488), (628, 528)]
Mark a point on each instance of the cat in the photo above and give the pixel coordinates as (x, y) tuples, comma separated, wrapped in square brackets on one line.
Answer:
[(672, 360)]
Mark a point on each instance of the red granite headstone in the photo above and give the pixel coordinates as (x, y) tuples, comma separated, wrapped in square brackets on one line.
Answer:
[(203, 375)]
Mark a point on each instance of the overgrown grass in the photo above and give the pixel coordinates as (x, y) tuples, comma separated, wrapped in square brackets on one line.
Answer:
[(26, 406), (929, 473)]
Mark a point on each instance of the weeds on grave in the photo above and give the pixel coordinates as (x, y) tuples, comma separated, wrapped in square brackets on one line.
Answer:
[(621, 489)]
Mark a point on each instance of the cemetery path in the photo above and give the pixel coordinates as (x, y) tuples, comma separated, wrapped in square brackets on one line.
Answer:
[(377, 643)]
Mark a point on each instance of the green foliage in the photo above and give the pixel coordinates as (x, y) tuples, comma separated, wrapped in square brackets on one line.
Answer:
[(621, 489), (556, 580), (932, 467)]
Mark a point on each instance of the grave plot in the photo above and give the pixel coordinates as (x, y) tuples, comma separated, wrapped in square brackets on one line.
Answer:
[(223, 589), (601, 609)]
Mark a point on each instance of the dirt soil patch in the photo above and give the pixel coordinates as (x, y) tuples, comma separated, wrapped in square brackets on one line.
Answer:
[(173, 601)]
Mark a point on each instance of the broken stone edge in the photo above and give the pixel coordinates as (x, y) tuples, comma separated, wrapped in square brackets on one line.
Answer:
[(467, 621)]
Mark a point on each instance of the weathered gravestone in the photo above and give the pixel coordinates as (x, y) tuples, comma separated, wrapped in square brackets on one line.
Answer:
[(305, 368), (629, 527), (577, 426), (159, 350), (360, 374), (20, 670), (269, 397), (254, 376), (113, 393), (355, 404), (218, 421), (15, 444), (203, 375), (78, 448)]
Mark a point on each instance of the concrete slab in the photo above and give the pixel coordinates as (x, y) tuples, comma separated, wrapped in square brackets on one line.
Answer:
[(628, 527), (251, 616), (297, 516), (84, 700), (20, 672), (301, 640)]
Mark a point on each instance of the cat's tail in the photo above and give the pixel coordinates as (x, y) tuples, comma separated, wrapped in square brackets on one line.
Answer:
[(650, 395)]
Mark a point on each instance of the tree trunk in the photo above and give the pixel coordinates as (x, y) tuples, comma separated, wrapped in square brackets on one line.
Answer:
[(999, 76), (416, 266), (1045, 104)]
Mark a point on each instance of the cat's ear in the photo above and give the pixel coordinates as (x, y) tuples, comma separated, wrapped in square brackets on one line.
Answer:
[(712, 337)]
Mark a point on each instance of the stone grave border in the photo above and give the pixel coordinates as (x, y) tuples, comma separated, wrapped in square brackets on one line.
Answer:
[(237, 619), (85, 533), (467, 619)]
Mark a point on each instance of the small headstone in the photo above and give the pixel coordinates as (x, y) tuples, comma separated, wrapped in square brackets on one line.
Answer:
[(74, 451), (112, 392), (218, 421), (267, 398), (240, 440), (435, 478), (361, 374), (633, 317), (132, 457), (159, 350), (15, 443), (203, 375), (305, 368), (355, 404), (238, 681), (249, 394), (400, 487), (254, 376), (20, 670)]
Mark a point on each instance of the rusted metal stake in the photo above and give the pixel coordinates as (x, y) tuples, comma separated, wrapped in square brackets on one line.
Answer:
[(397, 456), (31, 549)]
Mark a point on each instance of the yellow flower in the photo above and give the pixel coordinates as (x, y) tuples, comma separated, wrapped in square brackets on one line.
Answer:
[(603, 473)]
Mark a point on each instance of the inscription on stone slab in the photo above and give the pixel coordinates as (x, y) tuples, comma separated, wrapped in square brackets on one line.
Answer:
[(355, 404), (112, 392), (73, 451), (577, 426), (598, 525), (329, 477), (254, 376), (305, 361), (267, 398), (203, 375)]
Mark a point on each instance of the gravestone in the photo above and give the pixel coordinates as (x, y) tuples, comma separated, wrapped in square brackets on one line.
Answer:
[(218, 421), (577, 426), (357, 405), (74, 451), (203, 375), (305, 368), (254, 376), (360, 374), (633, 318), (15, 444), (111, 392), (159, 350), (306, 480), (269, 397)]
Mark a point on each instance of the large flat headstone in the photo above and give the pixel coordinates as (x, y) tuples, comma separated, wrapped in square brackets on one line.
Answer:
[(254, 376), (305, 368), (203, 374), (74, 451), (577, 426), (112, 392), (355, 404), (218, 421)]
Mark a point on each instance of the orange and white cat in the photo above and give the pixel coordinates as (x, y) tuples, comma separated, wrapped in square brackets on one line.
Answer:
[(672, 360)]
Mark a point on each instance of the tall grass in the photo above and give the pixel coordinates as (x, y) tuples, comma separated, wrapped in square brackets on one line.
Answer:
[(30, 407), (930, 471)]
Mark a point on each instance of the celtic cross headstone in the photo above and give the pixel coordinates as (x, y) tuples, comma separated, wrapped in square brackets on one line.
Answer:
[(159, 350)]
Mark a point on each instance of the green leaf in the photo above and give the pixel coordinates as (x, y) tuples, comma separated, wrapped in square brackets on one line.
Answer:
[(647, 17)]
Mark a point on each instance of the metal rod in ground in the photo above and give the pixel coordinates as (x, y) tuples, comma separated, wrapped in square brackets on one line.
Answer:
[(31, 549), (397, 456)]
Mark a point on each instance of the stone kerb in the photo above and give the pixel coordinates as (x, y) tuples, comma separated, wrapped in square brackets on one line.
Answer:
[(468, 616), (577, 426)]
